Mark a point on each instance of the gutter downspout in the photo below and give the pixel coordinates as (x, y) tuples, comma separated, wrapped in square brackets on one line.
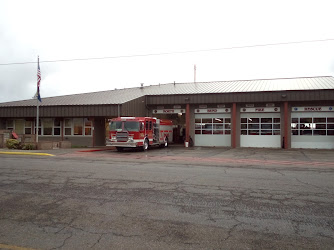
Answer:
[(234, 125)]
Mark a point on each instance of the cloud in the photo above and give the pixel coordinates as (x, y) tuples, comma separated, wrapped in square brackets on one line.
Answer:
[(13, 77), (83, 29), (19, 81)]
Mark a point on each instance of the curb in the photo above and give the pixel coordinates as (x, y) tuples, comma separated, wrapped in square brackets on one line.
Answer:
[(95, 150), (24, 153)]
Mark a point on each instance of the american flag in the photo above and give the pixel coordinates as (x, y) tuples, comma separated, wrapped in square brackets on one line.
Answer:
[(38, 81)]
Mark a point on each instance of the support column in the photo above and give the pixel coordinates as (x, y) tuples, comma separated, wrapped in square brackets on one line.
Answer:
[(62, 128), (286, 125), (187, 122), (93, 131), (234, 126)]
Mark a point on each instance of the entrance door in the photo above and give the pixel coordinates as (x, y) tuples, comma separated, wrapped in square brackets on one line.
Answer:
[(213, 130), (19, 127)]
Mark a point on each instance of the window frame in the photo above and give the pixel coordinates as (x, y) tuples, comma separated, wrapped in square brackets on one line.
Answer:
[(84, 127), (44, 127), (85, 120), (68, 127), (12, 127), (56, 126), (28, 127), (77, 124)]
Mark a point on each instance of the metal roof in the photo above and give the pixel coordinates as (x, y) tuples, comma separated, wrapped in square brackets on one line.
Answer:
[(119, 96)]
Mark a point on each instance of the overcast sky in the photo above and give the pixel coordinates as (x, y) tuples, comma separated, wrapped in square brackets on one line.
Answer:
[(61, 30)]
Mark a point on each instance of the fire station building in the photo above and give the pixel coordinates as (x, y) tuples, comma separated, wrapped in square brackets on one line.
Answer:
[(271, 113)]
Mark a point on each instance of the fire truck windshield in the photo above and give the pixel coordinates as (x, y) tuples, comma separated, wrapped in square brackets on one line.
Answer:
[(128, 126), (131, 126), (115, 126)]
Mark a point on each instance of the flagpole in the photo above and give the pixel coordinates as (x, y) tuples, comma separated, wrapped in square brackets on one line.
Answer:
[(37, 112), (37, 120), (195, 73)]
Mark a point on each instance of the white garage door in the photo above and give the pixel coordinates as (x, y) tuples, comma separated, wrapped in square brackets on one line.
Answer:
[(213, 130), (261, 130), (312, 130)]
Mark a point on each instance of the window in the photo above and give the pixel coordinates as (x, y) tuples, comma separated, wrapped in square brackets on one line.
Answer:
[(198, 126), (312, 126), (330, 126), (88, 126), (132, 126), (47, 126), (56, 126), (260, 126), (28, 127), (68, 126), (10, 124), (218, 125), (82, 126), (149, 125), (115, 125), (39, 126), (209, 126), (77, 126)]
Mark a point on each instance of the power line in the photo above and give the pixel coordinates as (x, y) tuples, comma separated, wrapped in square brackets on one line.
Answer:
[(169, 53)]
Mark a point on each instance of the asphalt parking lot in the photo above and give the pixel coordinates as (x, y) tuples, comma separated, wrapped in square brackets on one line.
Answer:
[(260, 157), (250, 156), (172, 198)]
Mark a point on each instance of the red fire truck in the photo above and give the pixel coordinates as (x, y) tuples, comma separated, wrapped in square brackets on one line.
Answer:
[(139, 132)]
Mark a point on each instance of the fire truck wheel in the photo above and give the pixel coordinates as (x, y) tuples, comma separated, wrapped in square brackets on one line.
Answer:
[(119, 149), (145, 145)]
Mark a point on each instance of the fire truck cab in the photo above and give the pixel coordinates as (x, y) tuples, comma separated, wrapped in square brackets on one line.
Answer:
[(139, 132)]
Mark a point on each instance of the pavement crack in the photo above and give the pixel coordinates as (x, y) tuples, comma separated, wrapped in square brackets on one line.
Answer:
[(312, 185), (306, 157), (60, 230), (212, 219), (126, 236), (98, 240), (276, 171), (64, 242), (230, 231)]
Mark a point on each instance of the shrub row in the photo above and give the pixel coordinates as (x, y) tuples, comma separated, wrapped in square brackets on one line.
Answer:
[(15, 144)]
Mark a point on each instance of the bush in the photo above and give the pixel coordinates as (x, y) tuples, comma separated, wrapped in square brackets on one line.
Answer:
[(29, 146), (13, 144)]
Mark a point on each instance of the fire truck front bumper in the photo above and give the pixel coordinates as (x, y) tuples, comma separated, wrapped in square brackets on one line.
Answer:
[(128, 144)]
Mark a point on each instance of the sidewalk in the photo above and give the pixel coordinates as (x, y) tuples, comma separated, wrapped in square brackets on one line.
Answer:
[(53, 152)]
